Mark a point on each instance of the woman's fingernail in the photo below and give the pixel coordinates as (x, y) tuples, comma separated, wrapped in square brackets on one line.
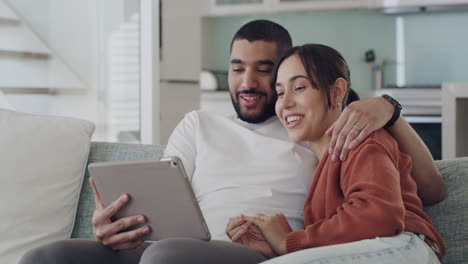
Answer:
[(124, 197), (141, 219), (330, 150), (333, 157), (342, 157)]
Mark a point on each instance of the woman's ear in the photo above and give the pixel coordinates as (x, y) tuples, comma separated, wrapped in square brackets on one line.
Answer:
[(338, 93)]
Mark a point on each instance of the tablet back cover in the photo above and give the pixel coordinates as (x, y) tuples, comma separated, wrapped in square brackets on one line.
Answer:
[(158, 189)]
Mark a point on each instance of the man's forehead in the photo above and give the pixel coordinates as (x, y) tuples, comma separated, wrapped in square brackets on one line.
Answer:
[(254, 51)]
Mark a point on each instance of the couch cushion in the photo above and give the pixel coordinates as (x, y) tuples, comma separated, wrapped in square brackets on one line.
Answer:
[(450, 217), (107, 152), (42, 160)]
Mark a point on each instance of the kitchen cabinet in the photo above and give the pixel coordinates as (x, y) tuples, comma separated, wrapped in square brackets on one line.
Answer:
[(454, 124), (180, 63), (250, 7), (180, 56), (401, 6), (310, 5), (246, 7), (237, 7), (177, 99), (394, 3)]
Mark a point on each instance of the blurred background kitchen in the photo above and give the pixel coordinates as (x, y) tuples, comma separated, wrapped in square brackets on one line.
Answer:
[(134, 67)]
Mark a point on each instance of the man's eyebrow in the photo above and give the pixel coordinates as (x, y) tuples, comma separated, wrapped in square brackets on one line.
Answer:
[(265, 62), (236, 61)]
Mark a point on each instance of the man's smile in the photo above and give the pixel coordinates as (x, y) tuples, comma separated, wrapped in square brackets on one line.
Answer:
[(251, 100)]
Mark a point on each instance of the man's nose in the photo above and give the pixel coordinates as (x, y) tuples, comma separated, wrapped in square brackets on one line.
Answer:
[(249, 80)]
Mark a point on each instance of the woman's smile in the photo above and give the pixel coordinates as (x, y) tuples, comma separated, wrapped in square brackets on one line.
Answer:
[(293, 120)]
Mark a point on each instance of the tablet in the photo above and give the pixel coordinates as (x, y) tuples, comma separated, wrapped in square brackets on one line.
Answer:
[(158, 189)]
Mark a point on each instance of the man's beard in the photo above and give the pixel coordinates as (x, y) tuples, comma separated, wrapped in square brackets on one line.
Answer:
[(266, 111)]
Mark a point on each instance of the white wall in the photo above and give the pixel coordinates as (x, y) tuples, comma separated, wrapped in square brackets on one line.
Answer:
[(77, 33), (69, 29)]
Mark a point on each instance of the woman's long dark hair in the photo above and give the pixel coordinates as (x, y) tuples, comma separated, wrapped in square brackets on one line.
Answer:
[(323, 65)]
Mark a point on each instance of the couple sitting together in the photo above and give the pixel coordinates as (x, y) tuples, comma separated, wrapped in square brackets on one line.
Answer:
[(345, 188)]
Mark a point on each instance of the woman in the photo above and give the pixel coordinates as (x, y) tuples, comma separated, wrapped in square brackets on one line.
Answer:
[(362, 210)]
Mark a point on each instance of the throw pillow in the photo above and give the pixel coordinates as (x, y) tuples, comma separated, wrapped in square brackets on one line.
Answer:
[(42, 163)]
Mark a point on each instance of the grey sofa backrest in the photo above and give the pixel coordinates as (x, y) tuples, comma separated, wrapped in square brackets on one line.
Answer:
[(450, 217)]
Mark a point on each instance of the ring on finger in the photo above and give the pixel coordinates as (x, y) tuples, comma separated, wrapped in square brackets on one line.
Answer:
[(357, 128)]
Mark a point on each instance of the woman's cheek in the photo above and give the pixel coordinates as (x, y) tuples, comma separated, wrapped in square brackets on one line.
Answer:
[(278, 111)]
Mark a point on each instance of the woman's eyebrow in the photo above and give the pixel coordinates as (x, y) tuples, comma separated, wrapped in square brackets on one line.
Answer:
[(295, 77), (292, 79)]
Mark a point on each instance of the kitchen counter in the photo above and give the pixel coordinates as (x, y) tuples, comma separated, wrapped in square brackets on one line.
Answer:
[(416, 101)]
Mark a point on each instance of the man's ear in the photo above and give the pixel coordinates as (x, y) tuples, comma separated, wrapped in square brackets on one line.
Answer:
[(338, 92)]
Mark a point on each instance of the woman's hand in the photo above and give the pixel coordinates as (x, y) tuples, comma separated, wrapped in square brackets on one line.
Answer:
[(245, 233), (274, 228)]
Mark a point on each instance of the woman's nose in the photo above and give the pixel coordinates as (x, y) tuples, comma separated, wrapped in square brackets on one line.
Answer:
[(288, 100)]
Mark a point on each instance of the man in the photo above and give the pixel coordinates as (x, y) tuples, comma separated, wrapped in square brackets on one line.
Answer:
[(240, 165)]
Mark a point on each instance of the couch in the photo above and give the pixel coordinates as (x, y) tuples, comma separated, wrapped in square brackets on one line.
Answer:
[(450, 217)]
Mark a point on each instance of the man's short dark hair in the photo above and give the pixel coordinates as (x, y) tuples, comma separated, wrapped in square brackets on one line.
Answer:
[(267, 31)]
